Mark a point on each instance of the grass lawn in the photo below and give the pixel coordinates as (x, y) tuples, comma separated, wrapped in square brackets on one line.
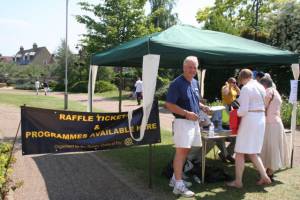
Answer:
[(114, 95), (39, 101), (134, 161)]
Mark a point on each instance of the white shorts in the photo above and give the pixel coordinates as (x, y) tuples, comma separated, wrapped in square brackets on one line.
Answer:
[(186, 133)]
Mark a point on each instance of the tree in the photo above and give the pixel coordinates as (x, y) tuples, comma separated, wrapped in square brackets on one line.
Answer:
[(113, 22), (161, 13), (220, 17), (59, 73), (238, 17), (285, 33), (162, 17)]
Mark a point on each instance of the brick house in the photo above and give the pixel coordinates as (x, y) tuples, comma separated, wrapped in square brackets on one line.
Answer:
[(36, 55), (6, 59)]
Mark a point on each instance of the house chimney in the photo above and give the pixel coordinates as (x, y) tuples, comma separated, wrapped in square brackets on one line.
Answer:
[(21, 49), (34, 46)]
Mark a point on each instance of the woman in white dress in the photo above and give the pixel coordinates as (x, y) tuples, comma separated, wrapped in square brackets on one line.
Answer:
[(275, 152), (250, 135)]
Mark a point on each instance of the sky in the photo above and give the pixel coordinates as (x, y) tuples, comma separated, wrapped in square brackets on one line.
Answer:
[(23, 23)]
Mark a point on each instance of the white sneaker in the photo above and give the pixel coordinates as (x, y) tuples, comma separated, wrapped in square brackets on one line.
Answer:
[(173, 181), (183, 191)]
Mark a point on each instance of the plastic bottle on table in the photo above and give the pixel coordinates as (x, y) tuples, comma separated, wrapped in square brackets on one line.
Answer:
[(211, 130)]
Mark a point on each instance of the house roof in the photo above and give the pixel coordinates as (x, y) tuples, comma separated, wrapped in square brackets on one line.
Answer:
[(31, 51)]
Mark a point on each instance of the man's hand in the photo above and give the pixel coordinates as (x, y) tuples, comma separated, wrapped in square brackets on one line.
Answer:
[(191, 116), (206, 109)]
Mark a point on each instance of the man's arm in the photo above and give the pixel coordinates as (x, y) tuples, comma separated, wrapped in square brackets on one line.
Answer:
[(179, 111)]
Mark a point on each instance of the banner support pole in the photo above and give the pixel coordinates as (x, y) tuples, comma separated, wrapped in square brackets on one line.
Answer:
[(150, 166), (295, 70)]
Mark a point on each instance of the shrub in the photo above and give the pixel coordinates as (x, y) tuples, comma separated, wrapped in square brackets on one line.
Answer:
[(52, 84), (59, 87), (79, 87), (25, 86), (104, 86), (161, 82), (162, 92), (11, 82), (162, 86), (5, 149), (286, 113)]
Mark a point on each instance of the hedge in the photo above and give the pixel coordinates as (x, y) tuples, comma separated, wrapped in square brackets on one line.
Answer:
[(5, 149), (104, 86)]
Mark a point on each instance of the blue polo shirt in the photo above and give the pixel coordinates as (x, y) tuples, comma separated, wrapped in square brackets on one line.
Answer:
[(184, 94)]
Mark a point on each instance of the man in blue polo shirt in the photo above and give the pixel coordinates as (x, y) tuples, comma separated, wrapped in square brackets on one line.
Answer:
[(183, 101)]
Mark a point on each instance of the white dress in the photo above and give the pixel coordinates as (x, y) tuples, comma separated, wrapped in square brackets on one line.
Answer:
[(251, 131)]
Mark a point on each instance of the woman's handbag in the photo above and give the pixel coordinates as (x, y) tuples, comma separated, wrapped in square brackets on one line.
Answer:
[(234, 121), (235, 104)]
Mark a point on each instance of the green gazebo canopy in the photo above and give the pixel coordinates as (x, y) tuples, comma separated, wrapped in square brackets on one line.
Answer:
[(213, 49)]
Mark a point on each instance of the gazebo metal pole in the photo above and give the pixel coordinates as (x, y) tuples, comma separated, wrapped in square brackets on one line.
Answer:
[(120, 88), (91, 91), (66, 60), (295, 69)]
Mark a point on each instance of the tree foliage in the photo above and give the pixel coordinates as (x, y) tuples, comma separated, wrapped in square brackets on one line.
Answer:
[(112, 22), (73, 74), (162, 15), (238, 17), (285, 33)]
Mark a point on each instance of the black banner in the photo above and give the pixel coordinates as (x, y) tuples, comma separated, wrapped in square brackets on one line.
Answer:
[(56, 131)]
